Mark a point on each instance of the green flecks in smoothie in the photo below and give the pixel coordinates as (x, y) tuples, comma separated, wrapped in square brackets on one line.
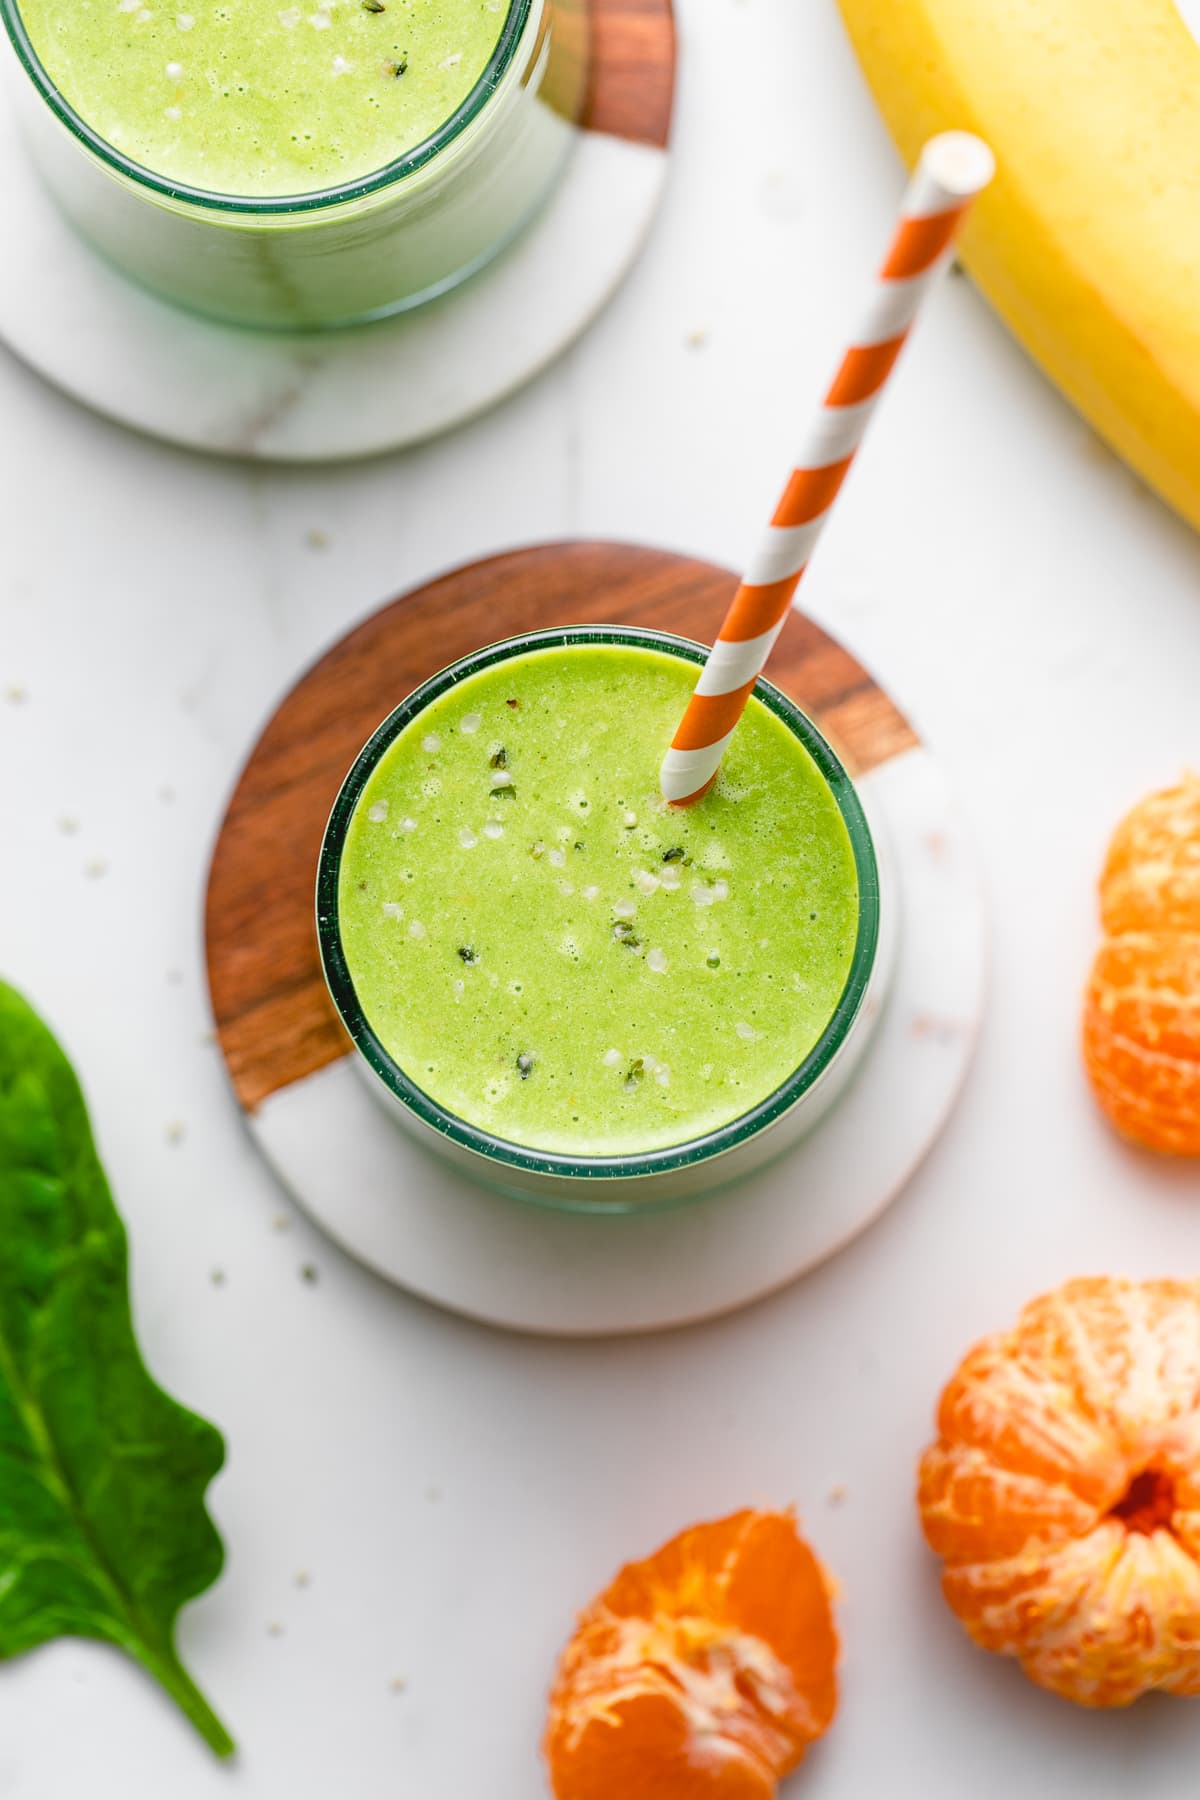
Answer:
[(576, 966), (259, 97)]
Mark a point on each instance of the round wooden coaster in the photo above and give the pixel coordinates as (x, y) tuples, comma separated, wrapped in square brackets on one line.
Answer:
[(320, 396), (424, 1225)]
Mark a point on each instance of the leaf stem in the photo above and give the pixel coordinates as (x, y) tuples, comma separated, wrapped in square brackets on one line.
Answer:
[(167, 1669)]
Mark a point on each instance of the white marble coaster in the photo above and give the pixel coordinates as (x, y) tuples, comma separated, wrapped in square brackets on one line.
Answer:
[(424, 1226), (320, 396)]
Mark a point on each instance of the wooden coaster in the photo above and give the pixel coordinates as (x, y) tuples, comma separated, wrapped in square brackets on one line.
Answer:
[(633, 70), (423, 1224), (412, 1217), (318, 396), (274, 1018)]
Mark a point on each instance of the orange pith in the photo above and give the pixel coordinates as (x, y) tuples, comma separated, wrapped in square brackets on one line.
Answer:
[(1063, 1494), (701, 1673), (1141, 1024)]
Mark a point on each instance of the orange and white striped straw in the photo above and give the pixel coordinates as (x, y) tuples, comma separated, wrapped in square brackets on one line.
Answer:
[(951, 171)]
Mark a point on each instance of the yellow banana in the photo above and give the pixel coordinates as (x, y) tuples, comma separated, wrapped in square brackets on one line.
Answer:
[(1088, 243)]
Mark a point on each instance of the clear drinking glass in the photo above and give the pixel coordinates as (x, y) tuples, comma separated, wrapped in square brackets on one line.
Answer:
[(629, 1182), (371, 247)]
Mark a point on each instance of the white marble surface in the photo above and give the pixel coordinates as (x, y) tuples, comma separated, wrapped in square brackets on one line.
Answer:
[(455, 1493)]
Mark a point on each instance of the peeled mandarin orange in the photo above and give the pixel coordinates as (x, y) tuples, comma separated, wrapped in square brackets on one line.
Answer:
[(1141, 1022), (1063, 1493), (701, 1673)]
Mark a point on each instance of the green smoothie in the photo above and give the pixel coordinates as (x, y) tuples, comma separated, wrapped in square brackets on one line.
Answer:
[(557, 957), (264, 97)]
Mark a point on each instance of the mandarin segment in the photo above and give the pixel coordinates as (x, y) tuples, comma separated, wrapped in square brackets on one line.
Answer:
[(1151, 879), (1005, 1406), (1127, 1356), (703, 1672), (1064, 1498), (1141, 1021), (969, 1505), (1141, 1038)]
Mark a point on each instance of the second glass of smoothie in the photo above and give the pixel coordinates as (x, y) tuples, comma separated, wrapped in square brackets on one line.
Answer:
[(300, 165), (583, 996)]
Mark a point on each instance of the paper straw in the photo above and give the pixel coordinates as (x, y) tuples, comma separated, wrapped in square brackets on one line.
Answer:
[(951, 171)]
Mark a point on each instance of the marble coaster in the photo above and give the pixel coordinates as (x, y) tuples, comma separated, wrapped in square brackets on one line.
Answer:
[(422, 1224), (333, 395)]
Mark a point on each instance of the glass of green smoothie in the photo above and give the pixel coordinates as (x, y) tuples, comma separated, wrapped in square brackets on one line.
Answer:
[(578, 994), (299, 165)]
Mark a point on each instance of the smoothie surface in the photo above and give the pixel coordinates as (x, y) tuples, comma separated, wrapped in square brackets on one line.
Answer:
[(254, 98), (557, 957)]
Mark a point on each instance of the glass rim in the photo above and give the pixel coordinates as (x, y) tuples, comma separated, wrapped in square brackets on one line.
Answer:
[(271, 205), (628, 1164)]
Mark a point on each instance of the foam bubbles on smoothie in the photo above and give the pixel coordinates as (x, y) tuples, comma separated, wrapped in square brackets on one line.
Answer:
[(714, 855), (471, 724), (431, 743), (493, 829), (467, 838), (378, 812)]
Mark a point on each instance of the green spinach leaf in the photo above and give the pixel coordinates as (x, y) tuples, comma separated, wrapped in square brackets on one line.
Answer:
[(103, 1530)]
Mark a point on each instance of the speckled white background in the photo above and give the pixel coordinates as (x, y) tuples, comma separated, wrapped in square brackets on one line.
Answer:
[(454, 1493)]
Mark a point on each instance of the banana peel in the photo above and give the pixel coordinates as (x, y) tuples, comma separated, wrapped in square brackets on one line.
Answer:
[(1088, 241)]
